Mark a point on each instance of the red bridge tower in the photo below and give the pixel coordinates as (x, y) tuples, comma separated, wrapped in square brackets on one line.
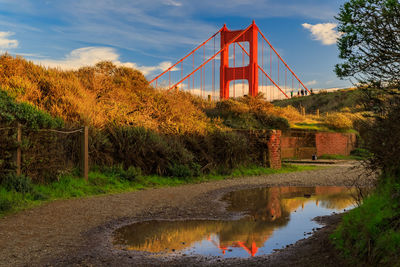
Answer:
[(249, 72)]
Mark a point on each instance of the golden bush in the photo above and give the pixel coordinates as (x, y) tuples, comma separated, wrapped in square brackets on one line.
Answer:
[(290, 113), (101, 95), (338, 120)]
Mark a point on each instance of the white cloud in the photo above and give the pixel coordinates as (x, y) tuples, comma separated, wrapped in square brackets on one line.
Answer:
[(87, 56), (324, 32), (172, 3), (7, 43), (311, 83)]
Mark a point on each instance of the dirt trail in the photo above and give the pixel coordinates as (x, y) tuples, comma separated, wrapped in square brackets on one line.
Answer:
[(77, 232)]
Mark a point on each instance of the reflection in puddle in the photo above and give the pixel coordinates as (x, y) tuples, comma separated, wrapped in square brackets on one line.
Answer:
[(276, 217)]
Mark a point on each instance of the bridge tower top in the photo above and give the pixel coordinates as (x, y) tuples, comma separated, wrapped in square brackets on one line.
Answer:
[(249, 72)]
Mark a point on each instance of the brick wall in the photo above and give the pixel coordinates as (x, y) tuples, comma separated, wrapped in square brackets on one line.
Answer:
[(274, 149), (298, 146), (288, 146), (335, 143)]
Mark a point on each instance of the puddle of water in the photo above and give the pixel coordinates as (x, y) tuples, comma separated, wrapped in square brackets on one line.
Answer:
[(275, 217)]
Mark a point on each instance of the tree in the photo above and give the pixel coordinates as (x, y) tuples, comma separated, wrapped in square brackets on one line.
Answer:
[(370, 41)]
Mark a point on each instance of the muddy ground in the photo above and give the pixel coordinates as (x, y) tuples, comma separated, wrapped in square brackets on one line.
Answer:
[(78, 232)]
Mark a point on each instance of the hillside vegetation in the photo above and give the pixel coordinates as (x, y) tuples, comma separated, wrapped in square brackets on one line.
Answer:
[(106, 95), (100, 95), (327, 102), (134, 125)]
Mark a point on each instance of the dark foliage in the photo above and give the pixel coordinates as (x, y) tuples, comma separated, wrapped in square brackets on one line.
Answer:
[(151, 152), (8, 146), (370, 44), (17, 183), (47, 154), (382, 138)]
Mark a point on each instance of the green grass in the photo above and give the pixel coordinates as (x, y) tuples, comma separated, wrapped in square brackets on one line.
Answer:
[(340, 157), (311, 126), (111, 183), (370, 235), (320, 128)]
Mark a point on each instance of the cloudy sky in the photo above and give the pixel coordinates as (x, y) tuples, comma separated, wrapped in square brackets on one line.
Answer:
[(151, 34)]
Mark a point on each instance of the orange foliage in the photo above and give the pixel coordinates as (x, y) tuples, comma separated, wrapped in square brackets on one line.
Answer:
[(101, 95)]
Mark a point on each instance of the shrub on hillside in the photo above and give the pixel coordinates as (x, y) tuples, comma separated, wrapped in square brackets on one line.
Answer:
[(151, 152), (100, 95), (249, 113), (290, 113), (12, 112), (227, 149), (338, 121)]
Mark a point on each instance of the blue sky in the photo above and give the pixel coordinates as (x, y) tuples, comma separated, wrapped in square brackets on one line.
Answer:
[(152, 34)]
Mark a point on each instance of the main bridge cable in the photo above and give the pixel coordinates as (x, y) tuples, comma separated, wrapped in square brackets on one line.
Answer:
[(194, 50), (263, 36), (262, 70), (216, 54)]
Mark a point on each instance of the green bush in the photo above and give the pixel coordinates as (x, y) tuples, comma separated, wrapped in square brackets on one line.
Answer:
[(273, 122), (361, 153), (26, 114), (179, 170), (228, 149), (153, 153), (17, 183), (130, 174)]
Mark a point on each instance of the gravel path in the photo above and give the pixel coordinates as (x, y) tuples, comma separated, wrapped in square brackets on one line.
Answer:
[(77, 232)]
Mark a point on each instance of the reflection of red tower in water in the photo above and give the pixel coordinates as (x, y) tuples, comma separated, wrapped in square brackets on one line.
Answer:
[(274, 204), (252, 250)]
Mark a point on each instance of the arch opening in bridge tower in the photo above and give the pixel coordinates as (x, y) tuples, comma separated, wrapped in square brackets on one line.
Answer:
[(239, 88)]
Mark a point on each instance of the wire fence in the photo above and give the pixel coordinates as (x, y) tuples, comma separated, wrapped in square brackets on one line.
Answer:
[(43, 154)]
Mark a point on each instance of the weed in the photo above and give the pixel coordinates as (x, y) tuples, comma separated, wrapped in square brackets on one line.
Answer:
[(17, 183)]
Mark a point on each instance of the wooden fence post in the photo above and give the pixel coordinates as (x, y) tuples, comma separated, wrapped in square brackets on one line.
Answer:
[(85, 153), (18, 155)]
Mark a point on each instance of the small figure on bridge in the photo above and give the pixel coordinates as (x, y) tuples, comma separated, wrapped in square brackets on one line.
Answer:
[(291, 93), (302, 92), (305, 92), (298, 93)]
